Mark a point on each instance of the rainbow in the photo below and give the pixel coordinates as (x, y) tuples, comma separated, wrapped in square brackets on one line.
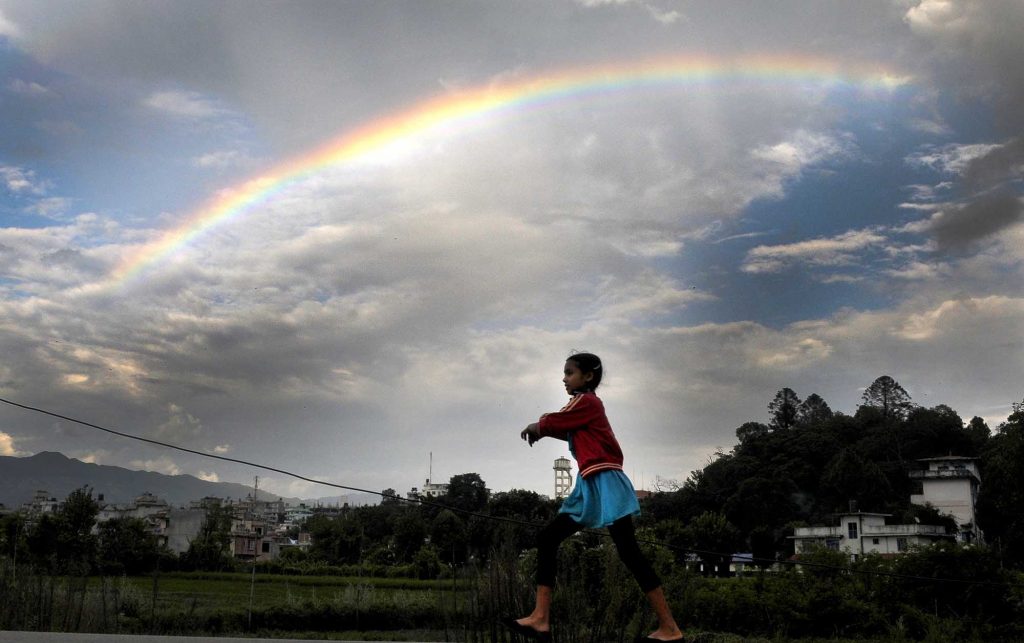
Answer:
[(453, 108)]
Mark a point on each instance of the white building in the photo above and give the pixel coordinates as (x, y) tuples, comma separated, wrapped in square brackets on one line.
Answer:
[(429, 490), (563, 477), (950, 484), (860, 533)]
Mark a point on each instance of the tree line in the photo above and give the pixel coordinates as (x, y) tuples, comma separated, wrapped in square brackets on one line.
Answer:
[(799, 466)]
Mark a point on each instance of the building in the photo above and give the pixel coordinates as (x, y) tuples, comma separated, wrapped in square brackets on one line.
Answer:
[(563, 477), (41, 504), (951, 484), (429, 490), (860, 533)]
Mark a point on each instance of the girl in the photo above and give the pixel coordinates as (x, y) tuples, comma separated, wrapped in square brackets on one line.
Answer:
[(602, 497)]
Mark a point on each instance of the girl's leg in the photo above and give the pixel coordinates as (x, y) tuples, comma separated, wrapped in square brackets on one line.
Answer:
[(548, 541), (624, 535)]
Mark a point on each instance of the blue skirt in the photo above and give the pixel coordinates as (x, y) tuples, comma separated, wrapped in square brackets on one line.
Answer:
[(601, 499)]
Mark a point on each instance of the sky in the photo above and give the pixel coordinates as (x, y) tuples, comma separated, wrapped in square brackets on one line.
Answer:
[(357, 240)]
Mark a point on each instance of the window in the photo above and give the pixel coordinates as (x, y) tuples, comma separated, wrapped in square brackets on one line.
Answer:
[(266, 548), (851, 528), (832, 543), (901, 544), (874, 541)]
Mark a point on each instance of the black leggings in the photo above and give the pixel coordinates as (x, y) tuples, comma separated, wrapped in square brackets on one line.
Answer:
[(622, 533)]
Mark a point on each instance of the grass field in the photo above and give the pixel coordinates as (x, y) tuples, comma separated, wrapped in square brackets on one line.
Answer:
[(215, 591)]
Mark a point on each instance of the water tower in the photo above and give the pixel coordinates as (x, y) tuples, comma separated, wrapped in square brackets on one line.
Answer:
[(563, 477)]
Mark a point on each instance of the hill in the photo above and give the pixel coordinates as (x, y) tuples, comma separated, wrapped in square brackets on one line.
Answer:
[(59, 475)]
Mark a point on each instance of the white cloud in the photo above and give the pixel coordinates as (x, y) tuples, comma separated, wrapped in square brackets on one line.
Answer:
[(7, 28), (831, 251), (804, 148), (221, 449), (7, 447), (209, 477), (918, 270), (162, 465), (937, 15), (184, 104), (21, 181), (50, 207), (27, 88), (952, 158), (180, 427), (222, 159)]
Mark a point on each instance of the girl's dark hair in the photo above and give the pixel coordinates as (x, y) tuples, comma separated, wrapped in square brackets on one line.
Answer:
[(588, 363)]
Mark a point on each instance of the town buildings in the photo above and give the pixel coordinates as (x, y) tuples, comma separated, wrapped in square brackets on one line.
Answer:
[(949, 484)]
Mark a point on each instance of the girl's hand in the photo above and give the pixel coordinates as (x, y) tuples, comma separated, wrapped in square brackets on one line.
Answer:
[(531, 433)]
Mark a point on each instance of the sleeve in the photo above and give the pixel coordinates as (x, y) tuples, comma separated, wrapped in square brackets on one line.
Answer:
[(578, 413)]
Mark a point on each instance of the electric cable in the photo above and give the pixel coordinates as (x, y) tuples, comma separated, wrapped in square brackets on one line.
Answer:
[(504, 519)]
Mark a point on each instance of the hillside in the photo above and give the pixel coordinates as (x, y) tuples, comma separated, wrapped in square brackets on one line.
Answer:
[(59, 475)]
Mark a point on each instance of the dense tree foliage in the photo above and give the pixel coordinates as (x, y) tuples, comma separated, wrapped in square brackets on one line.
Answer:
[(889, 397), (784, 409)]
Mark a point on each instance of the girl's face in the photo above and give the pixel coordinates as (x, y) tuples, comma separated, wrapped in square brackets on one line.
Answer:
[(575, 379)]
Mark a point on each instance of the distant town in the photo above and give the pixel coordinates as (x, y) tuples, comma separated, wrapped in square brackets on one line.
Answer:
[(262, 529)]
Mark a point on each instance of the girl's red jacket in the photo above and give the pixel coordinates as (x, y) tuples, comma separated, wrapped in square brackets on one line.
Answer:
[(593, 441)]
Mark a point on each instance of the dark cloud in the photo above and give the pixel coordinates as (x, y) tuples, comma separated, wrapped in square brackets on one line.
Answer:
[(958, 227), (993, 203), (1002, 164)]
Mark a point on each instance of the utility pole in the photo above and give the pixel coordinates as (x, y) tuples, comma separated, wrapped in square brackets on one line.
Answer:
[(255, 549)]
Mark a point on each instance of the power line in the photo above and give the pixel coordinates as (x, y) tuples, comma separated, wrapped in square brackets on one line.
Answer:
[(516, 521)]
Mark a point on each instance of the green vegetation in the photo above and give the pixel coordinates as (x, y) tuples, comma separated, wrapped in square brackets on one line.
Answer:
[(434, 571)]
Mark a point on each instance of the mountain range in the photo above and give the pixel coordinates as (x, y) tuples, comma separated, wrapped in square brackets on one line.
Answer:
[(59, 475)]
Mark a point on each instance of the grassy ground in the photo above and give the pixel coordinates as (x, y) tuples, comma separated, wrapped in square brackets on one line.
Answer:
[(207, 591)]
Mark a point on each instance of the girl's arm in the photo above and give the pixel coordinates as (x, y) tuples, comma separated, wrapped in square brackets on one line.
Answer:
[(580, 412), (531, 433)]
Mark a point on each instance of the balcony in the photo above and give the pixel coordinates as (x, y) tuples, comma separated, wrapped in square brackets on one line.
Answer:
[(931, 474)]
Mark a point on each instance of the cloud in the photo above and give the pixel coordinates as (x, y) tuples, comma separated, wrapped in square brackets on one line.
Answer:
[(181, 426), (27, 88), (21, 181), (7, 447), (223, 159), (971, 51), (7, 28), (209, 477), (162, 465), (804, 148), (957, 226), (184, 104), (987, 176), (832, 251), (951, 159)]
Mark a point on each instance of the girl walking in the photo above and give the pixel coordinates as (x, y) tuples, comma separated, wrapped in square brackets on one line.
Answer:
[(602, 497)]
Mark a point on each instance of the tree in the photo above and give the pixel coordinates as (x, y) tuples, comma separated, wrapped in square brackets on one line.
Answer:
[(127, 546), (76, 544), (390, 497), (848, 476), (889, 397), (978, 433), (715, 538), (410, 532), (812, 411), (783, 409), (749, 430), (448, 535), (210, 549), (1001, 498), (467, 492)]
